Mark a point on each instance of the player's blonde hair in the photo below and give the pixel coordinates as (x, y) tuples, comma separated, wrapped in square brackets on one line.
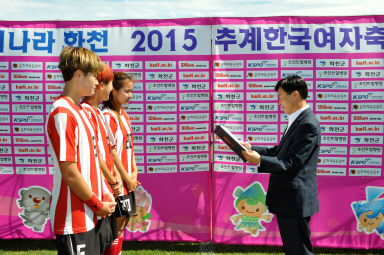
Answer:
[(79, 58)]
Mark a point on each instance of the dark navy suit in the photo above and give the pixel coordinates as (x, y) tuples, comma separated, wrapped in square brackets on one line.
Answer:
[(292, 192)]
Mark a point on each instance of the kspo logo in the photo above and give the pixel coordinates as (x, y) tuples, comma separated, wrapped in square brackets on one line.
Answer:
[(53, 67), (257, 64), (22, 119), (298, 73), (326, 85), (366, 161), (362, 97), (156, 98), (256, 128), (327, 150), (188, 168), (188, 107)]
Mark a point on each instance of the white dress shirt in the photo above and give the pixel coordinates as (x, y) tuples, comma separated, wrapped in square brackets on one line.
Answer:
[(293, 116)]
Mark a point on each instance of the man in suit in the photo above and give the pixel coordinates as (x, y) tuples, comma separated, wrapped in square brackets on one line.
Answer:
[(292, 193)]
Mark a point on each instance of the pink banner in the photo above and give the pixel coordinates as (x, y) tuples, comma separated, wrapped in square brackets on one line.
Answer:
[(170, 113), (342, 63)]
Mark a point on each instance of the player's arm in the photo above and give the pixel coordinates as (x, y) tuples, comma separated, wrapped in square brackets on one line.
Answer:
[(135, 172), (106, 173), (79, 187), (122, 171)]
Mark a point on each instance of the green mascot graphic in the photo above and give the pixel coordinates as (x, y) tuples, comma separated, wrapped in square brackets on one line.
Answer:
[(250, 204)]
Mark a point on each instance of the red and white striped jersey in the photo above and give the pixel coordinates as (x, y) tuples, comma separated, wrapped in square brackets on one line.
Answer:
[(71, 138), (103, 141), (120, 134)]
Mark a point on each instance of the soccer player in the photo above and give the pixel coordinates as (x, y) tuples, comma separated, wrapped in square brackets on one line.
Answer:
[(78, 194)]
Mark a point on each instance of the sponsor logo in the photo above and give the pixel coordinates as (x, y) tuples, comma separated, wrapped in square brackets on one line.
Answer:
[(365, 172), (162, 169), (332, 171), (228, 117), (228, 168), (161, 97), (27, 119), (161, 128), (194, 168), (160, 65), (365, 161), (31, 170), (6, 170)]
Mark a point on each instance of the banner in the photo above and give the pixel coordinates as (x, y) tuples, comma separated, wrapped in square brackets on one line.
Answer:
[(170, 113), (342, 61), (191, 75)]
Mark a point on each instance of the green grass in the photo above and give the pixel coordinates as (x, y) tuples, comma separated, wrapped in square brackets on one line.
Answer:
[(47, 247)]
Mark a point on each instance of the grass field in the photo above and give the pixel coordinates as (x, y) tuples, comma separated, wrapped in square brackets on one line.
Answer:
[(47, 247)]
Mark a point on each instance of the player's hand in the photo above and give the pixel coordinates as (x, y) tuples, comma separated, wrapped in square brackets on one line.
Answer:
[(117, 187), (108, 197), (107, 210), (132, 184)]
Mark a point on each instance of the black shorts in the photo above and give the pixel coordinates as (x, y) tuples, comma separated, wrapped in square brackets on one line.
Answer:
[(105, 234), (82, 243), (125, 205)]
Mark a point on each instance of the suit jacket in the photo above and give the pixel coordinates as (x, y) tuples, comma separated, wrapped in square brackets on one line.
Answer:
[(292, 190)]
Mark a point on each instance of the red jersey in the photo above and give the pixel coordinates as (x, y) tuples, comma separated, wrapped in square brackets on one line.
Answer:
[(103, 142), (120, 133), (71, 138)]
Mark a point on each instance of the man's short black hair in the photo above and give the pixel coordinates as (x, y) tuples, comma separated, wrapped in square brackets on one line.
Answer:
[(292, 83)]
